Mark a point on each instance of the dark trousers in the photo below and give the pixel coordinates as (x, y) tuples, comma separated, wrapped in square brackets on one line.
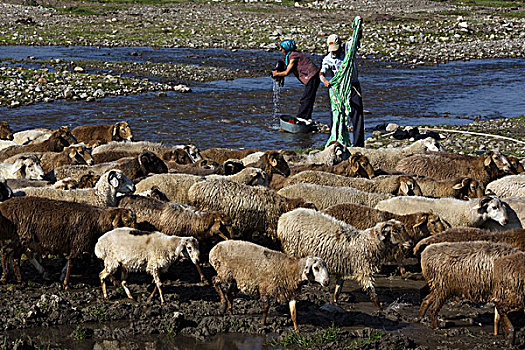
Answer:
[(306, 105), (356, 115)]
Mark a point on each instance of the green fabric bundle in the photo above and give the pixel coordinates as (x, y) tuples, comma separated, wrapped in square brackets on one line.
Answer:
[(340, 91)]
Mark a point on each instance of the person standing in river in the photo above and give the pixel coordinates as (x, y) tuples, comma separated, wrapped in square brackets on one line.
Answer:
[(306, 71), (348, 92)]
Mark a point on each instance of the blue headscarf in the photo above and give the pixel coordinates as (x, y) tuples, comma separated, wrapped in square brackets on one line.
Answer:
[(288, 45)]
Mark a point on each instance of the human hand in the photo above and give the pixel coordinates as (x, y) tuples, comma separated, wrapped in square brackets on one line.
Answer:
[(274, 73)]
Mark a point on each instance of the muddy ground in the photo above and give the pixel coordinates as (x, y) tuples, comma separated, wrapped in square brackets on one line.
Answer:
[(44, 315)]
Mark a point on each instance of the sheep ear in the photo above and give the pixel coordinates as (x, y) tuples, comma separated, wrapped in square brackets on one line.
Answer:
[(114, 129), (404, 187), (423, 219), (273, 160), (113, 179), (307, 268), (460, 185), (385, 230), (488, 160)]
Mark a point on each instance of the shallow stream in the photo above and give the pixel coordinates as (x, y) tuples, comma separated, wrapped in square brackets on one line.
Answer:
[(240, 113)]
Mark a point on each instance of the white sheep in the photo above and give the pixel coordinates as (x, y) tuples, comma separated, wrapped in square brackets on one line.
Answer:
[(349, 253), (454, 211), (387, 158), (25, 137), (259, 270), (135, 251), (508, 186), (515, 207), (137, 147), (394, 184), (25, 167), (104, 194), (7, 143), (326, 196), (176, 186)]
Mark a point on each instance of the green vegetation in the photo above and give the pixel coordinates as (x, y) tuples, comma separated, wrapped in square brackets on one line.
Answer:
[(359, 343), (79, 333), (300, 341)]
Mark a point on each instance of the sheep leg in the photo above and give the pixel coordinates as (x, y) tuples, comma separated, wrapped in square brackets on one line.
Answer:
[(123, 283), (373, 296), (424, 305), (338, 287), (38, 267), (265, 307), (16, 269), (153, 293), (217, 286), (497, 319), (203, 278), (105, 273), (5, 265), (434, 309), (293, 314), (508, 328), (158, 283), (68, 272), (229, 300)]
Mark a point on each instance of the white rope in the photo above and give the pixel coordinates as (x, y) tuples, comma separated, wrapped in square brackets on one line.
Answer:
[(473, 133)]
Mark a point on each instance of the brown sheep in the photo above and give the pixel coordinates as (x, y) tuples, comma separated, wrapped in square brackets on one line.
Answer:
[(443, 165), (417, 225), (355, 166), (220, 155), (514, 238), (6, 133), (49, 226), (58, 140), (89, 134), (461, 188), (205, 167), (508, 292), (74, 154), (272, 162), (516, 165), (135, 168), (462, 269)]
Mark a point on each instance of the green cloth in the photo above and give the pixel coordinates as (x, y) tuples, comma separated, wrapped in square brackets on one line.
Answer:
[(340, 92)]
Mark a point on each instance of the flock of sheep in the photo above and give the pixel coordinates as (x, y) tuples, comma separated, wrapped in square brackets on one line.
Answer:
[(282, 218)]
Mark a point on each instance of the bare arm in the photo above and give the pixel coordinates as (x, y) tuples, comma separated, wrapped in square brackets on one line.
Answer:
[(285, 72), (325, 81)]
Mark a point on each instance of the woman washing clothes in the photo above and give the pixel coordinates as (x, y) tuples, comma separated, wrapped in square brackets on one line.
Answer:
[(306, 71)]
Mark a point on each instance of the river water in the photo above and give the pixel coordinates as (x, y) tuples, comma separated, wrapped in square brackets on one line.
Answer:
[(239, 113)]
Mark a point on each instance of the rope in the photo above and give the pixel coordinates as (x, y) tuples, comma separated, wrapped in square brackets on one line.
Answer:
[(473, 133)]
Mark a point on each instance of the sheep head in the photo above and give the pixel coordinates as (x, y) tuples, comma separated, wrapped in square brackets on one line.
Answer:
[(178, 155), (257, 177), (118, 181), (121, 217), (88, 180), (496, 164), (6, 133), (393, 232), (491, 207), (150, 163), (121, 131), (360, 166), (5, 190), (232, 166), (222, 226), (427, 224), (408, 187), (315, 270), (431, 145), (188, 247), (277, 164), (516, 164), (66, 184), (468, 188), (29, 168), (60, 139), (78, 154), (338, 151), (193, 152)]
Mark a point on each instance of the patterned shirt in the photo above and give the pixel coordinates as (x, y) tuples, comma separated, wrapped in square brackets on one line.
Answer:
[(332, 63), (304, 69)]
